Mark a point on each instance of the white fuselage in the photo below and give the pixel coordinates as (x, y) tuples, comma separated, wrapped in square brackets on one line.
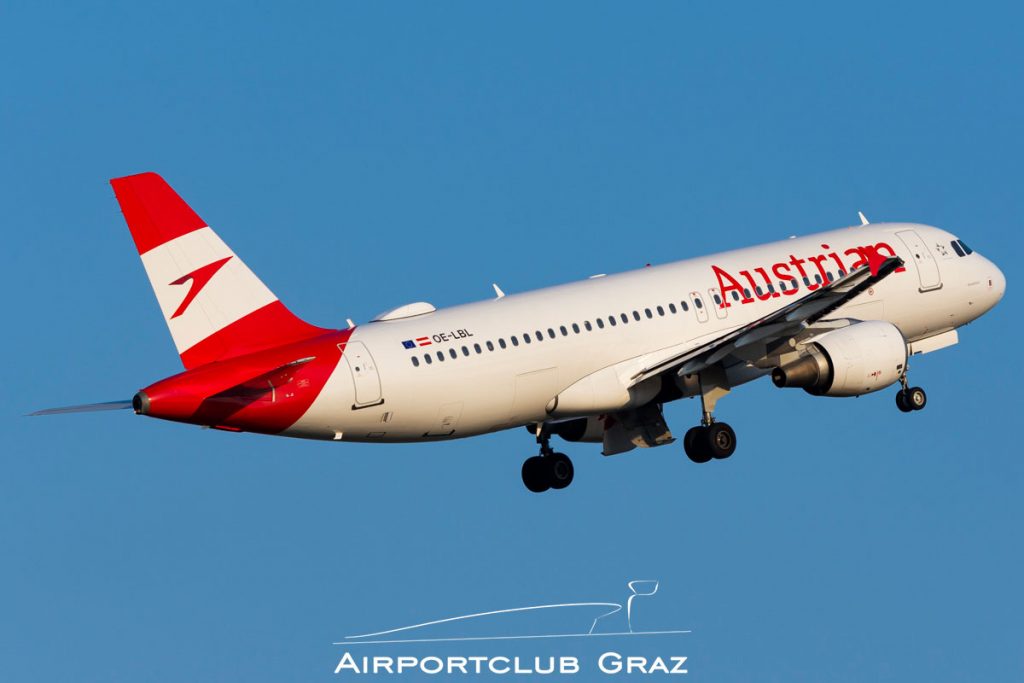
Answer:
[(499, 363)]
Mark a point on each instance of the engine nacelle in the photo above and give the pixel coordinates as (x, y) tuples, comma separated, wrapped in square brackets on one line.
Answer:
[(586, 429), (864, 357)]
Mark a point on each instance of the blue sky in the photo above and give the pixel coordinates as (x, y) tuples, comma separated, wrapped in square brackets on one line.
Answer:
[(359, 157)]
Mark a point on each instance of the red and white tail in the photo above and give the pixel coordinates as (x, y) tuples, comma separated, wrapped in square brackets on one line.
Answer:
[(215, 307)]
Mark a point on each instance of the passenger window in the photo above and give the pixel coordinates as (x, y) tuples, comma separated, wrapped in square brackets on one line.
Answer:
[(600, 323), (735, 295), (698, 303), (526, 337), (465, 351), (661, 311), (415, 362), (611, 320), (453, 354), (515, 340), (575, 328), (746, 293), (540, 336), (490, 346), (672, 309), (551, 333), (502, 344), (807, 281), (427, 358), (828, 274), (648, 313), (476, 347), (718, 299), (636, 315), (624, 318), (685, 306), (565, 332), (586, 324), (771, 289), (817, 278), (440, 356)]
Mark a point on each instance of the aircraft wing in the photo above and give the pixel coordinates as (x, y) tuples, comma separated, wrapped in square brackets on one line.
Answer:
[(778, 325)]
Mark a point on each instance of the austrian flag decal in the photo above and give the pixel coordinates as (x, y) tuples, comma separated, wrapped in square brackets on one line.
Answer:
[(420, 341)]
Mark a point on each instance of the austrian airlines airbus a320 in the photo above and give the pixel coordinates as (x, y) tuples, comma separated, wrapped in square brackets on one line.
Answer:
[(836, 313)]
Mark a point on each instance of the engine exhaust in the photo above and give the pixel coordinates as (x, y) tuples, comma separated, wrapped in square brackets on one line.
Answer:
[(813, 372)]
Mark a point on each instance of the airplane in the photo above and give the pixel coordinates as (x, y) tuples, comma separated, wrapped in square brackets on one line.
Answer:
[(835, 313)]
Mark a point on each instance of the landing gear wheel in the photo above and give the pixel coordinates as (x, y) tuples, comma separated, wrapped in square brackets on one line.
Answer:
[(910, 399), (695, 444), (916, 398), (560, 470), (721, 440), (536, 474)]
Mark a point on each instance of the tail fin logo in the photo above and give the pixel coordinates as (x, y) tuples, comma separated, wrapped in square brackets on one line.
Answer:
[(199, 277)]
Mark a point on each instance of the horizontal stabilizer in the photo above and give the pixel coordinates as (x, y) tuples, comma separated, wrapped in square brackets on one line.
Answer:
[(265, 384), (85, 408)]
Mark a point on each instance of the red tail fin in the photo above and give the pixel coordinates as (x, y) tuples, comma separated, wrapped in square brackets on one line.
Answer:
[(215, 307)]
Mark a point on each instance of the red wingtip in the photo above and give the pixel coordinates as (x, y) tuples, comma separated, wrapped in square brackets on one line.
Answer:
[(875, 260), (153, 210)]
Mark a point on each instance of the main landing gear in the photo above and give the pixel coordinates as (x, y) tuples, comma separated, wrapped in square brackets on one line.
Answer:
[(549, 470), (710, 440), (707, 442), (909, 399)]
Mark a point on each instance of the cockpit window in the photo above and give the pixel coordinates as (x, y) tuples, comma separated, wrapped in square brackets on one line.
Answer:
[(960, 248)]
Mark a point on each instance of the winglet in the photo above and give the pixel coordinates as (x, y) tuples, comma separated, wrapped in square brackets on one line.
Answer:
[(863, 218), (875, 260), (497, 290)]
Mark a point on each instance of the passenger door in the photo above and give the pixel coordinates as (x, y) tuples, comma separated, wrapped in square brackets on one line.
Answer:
[(364, 375), (927, 266)]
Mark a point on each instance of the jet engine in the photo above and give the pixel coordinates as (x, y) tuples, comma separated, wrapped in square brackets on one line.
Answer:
[(864, 357), (587, 429)]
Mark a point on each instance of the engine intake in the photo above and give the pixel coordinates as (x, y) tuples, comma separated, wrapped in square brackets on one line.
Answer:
[(859, 359)]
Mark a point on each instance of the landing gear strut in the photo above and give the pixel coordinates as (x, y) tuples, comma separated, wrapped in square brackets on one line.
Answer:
[(549, 470), (909, 399), (710, 440)]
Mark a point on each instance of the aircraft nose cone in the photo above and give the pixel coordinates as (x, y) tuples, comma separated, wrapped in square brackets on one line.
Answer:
[(998, 284)]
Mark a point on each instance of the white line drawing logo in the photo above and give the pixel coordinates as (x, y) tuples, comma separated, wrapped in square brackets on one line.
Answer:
[(417, 633)]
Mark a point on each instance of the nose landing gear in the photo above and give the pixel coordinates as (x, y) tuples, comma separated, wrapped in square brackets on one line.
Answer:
[(549, 470), (909, 399)]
